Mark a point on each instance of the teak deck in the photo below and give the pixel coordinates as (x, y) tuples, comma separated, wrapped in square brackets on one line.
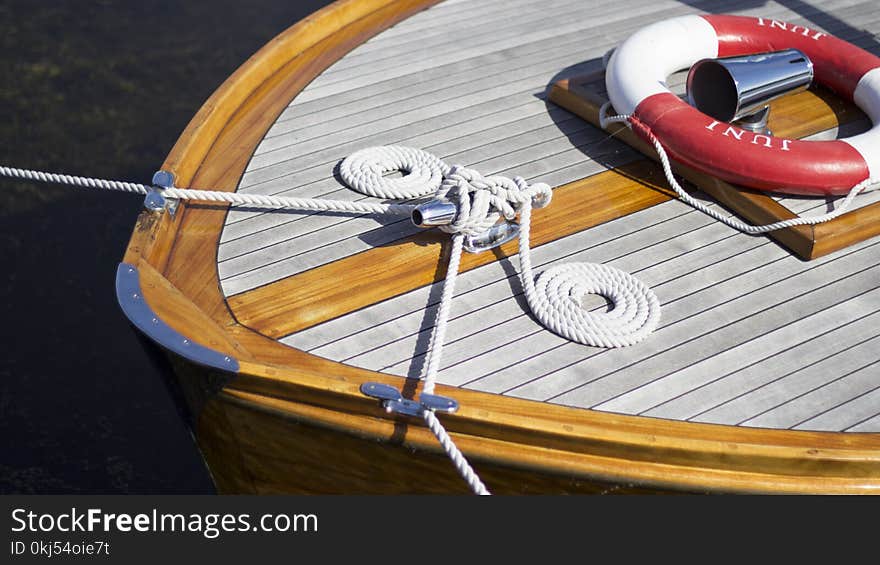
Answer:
[(312, 306)]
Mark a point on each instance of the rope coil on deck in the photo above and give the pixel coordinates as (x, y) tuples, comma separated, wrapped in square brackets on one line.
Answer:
[(365, 171)]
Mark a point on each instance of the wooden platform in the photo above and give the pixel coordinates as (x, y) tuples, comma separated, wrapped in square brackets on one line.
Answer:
[(796, 116)]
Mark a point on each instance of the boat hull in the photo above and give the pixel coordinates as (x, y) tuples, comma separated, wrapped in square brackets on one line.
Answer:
[(286, 421), (254, 447)]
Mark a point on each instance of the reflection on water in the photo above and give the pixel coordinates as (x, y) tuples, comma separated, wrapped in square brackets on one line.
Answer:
[(99, 89)]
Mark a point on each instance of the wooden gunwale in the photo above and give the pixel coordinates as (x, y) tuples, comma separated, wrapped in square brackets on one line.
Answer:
[(660, 470), (213, 152)]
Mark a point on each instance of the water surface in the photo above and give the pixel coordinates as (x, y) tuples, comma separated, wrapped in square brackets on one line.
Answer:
[(103, 89)]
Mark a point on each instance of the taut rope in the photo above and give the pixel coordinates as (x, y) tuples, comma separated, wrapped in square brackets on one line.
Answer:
[(307, 204)]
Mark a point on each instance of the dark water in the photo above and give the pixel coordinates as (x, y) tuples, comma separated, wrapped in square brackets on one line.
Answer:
[(98, 88)]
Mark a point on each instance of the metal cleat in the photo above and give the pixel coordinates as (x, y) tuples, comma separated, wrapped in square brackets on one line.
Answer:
[(156, 201), (394, 402)]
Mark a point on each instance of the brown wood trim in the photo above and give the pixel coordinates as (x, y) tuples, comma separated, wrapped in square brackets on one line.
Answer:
[(152, 239), (289, 382), (740, 467), (794, 116), (271, 439), (179, 312), (317, 295), (299, 53), (189, 268), (849, 228)]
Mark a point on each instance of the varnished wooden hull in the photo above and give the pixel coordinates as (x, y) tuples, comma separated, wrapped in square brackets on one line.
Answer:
[(290, 421), (254, 444), (258, 441), (260, 447)]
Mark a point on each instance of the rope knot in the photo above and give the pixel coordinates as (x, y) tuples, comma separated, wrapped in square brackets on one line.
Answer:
[(482, 201)]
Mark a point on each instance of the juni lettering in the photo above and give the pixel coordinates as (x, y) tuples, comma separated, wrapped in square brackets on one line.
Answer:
[(749, 137), (793, 28)]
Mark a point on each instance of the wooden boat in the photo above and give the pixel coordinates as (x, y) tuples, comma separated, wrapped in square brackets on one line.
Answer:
[(761, 378)]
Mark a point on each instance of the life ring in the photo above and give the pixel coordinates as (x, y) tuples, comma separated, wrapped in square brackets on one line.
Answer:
[(636, 81)]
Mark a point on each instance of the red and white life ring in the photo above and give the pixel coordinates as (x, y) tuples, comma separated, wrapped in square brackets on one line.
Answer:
[(636, 81)]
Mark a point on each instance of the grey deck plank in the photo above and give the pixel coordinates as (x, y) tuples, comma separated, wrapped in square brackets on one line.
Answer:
[(461, 92), (767, 309), (869, 425), (470, 30), (762, 391), (447, 77), (265, 165), (692, 311), (727, 387), (714, 278), (529, 31), (839, 403), (767, 345)]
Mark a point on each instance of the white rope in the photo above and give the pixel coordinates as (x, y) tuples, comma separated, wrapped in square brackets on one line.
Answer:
[(366, 170), (731, 221), (555, 297), (84, 182), (235, 198), (438, 333), (455, 455), (555, 300), (482, 201), (435, 352)]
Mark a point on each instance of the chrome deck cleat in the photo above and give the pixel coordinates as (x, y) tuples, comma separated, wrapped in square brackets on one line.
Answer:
[(435, 212), (441, 212), (496, 236), (394, 402), (156, 201)]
